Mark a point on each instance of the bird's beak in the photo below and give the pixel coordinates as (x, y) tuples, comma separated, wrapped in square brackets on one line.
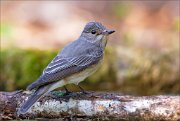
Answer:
[(109, 31)]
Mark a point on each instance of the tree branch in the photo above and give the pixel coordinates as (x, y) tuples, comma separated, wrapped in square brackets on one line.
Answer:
[(94, 105)]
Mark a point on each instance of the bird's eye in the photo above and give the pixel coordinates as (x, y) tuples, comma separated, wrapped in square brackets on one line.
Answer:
[(93, 32)]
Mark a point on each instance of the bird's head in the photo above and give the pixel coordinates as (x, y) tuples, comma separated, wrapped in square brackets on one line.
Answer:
[(96, 32)]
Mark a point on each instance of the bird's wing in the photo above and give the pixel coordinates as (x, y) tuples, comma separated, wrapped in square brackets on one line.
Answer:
[(61, 67)]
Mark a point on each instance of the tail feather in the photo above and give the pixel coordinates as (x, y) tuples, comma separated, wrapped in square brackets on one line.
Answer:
[(38, 94), (32, 99)]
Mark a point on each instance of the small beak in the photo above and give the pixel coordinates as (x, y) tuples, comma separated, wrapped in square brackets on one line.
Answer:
[(110, 31)]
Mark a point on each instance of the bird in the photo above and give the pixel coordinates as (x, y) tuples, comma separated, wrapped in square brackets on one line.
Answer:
[(75, 62)]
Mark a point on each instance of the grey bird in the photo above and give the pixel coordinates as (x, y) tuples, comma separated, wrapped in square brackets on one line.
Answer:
[(73, 63)]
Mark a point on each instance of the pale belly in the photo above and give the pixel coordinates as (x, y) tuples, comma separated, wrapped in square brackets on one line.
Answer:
[(75, 78)]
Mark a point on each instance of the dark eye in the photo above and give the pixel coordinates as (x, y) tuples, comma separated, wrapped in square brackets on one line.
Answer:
[(93, 32)]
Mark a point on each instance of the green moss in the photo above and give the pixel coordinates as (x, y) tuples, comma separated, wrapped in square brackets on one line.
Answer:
[(21, 67), (58, 93)]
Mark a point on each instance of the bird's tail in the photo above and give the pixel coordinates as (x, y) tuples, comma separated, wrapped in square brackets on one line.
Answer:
[(32, 99)]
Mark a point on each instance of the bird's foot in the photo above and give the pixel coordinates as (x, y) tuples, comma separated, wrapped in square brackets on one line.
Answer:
[(67, 92)]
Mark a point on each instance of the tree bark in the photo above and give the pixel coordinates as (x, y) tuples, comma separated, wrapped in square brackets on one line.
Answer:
[(93, 106)]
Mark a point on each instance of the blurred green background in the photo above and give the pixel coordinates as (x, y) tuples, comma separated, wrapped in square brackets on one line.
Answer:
[(142, 56)]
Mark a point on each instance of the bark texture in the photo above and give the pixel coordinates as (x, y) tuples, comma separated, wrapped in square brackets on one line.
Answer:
[(93, 106)]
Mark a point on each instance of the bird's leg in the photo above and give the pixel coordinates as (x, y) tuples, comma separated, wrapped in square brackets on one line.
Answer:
[(82, 90), (67, 91)]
